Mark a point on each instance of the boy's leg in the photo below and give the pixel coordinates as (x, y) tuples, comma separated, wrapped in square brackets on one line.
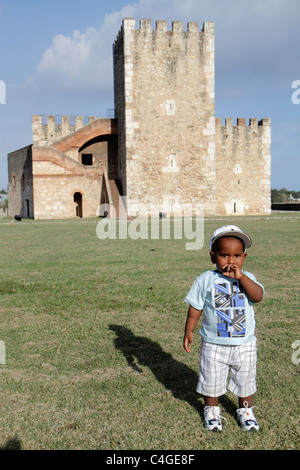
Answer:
[(243, 383), (248, 400), (212, 414), (211, 401), (213, 373), (245, 415), (243, 372)]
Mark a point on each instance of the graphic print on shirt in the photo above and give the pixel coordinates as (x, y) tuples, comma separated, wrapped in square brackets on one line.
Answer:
[(230, 309)]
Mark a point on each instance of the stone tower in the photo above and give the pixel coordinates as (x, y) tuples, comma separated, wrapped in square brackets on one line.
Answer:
[(164, 103)]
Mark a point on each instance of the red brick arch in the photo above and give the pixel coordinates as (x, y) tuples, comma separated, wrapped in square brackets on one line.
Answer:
[(90, 131)]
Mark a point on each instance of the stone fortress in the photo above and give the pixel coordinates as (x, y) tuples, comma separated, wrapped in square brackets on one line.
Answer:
[(163, 149)]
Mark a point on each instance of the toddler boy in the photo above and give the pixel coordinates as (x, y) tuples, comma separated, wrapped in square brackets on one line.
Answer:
[(225, 296)]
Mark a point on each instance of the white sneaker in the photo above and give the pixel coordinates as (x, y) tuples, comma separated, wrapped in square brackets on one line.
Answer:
[(212, 418), (246, 418)]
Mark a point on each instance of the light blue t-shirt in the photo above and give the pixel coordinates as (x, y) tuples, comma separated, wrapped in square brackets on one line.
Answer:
[(228, 314)]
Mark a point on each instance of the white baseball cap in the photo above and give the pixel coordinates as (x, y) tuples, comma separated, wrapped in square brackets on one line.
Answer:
[(233, 231)]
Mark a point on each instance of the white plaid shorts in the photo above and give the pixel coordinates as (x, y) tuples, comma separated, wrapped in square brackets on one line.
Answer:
[(215, 363)]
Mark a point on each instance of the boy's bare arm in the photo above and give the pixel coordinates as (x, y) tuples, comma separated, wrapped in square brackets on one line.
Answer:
[(253, 291), (190, 325)]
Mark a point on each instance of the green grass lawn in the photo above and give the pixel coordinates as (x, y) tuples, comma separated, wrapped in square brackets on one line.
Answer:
[(93, 333)]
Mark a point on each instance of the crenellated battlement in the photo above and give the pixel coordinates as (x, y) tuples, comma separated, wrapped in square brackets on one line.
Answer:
[(241, 122), (177, 32), (129, 24), (48, 129)]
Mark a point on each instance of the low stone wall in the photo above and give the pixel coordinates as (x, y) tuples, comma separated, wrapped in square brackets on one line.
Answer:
[(286, 206)]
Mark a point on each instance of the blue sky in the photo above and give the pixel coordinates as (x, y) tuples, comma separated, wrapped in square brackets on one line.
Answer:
[(56, 58)]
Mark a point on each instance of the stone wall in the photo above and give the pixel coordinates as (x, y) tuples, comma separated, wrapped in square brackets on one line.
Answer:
[(54, 196), (104, 152), (48, 129), (20, 184), (47, 180), (57, 178), (286, 206), (243, 167)]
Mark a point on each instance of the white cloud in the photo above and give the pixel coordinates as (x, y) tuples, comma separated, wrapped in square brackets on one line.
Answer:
[(74, 62), (248, 35), (83, 61)]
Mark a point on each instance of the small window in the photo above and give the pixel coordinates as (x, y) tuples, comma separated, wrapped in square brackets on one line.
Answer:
[(14, 181), (172, 161), (87, 159)]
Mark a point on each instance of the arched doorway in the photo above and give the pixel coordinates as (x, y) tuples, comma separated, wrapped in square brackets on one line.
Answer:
[(78, 202)]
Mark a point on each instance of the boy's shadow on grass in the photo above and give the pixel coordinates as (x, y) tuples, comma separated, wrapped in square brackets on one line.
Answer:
[(172, 374), (12, 443)]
